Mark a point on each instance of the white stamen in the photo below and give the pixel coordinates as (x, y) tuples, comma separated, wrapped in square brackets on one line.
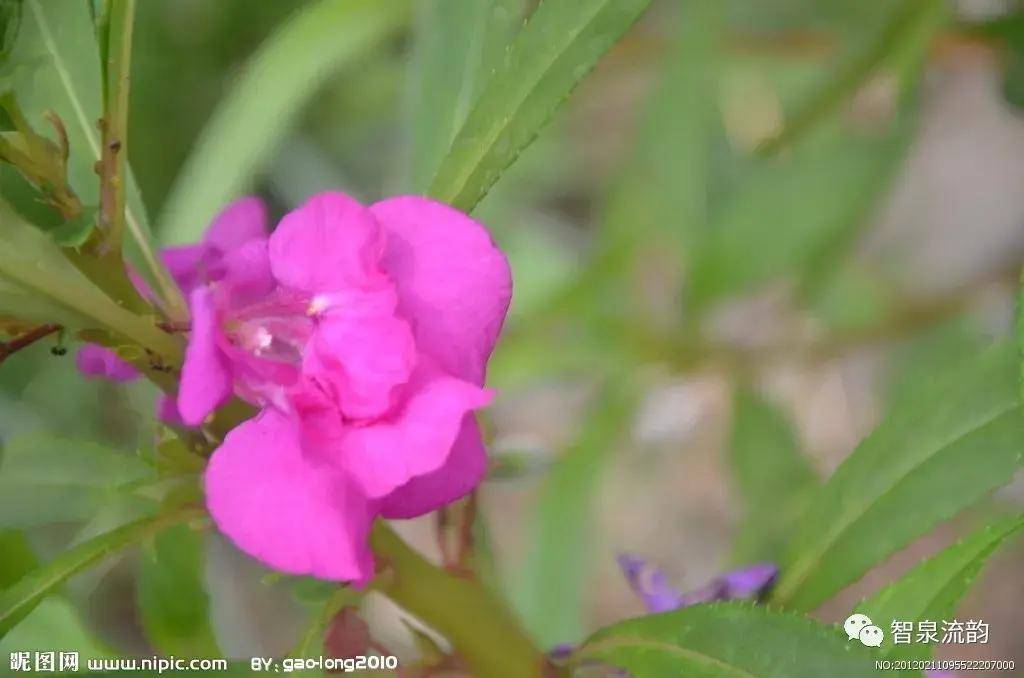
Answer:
[(263, 340), (318, 305)]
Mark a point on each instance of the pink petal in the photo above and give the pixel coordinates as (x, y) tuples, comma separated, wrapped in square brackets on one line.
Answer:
[(454, 284), (206, 374), (245, 272), (102, 363), (464, 469), (386, 455), (238, 223), (330, 243), (167, 410), (362, 360), (279, 507), (186, 264)]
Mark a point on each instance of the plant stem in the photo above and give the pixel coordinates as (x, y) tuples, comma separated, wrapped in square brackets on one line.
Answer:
[(21, 598), (115, 123), (480, 628)]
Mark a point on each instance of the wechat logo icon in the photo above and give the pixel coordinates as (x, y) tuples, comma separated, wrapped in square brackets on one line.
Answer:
[(859, 626)]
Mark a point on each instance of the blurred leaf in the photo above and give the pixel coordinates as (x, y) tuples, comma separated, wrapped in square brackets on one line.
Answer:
[(728, 640), (54, 65), (18, 558), (36, 280), (54, 625), (933, 588), (459, 44), (905, 35), (553, 580), (554, 51), (44, 479), (930, 458), (773, 479), (783, 213), (257, 113), (173, 603), (19, 600), (10, 22), (663, 191)]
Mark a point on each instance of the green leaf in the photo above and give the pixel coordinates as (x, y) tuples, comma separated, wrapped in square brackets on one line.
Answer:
[(554, 51), (728, 640), (784, 212), (933, 588), (10, 22), (550, 593), (173, 602), (44, 479), (932, 457), (905, 36), (54, 65), (773, 479), (20, 599), (258, 111), (662, 195), (37, 282), (18, 557), (55, 619), (459, 44)]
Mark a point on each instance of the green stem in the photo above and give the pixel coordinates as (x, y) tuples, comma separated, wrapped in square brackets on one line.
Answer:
[(907, 24), (21, 598), (480, 628), (117, 71)]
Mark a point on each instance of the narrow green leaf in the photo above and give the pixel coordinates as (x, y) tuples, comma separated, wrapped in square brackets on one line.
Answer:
[(663, 191), (550, 594), (54, 65), (554, 51), (783, 213), (728, 640), (906, 34), (172, 600), (258, 111), (459, 44), (932, 590), (18, 557), (54, 618), (22, 598), (773, 479), (10, 22), (36, 278), (44, 479), (929, 459)]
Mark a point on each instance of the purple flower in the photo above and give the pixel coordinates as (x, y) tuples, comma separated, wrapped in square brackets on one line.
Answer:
[(97, 362), (648, 582)]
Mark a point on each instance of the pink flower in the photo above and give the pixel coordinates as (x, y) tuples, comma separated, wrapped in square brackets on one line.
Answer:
[(363, 334), (98, 362)]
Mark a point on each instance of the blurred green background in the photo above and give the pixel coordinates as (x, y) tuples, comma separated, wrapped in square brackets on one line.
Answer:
[(750, 231)]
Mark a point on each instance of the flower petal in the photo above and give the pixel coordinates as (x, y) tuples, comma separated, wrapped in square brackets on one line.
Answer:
[(465, 467), (185, 263), (238, 223), (167, 410), (245, 272), (417, 441), (362, 361), (102, 363), (284, 509), (206, 375), (454, 284), (650, 584), (331, 243)]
